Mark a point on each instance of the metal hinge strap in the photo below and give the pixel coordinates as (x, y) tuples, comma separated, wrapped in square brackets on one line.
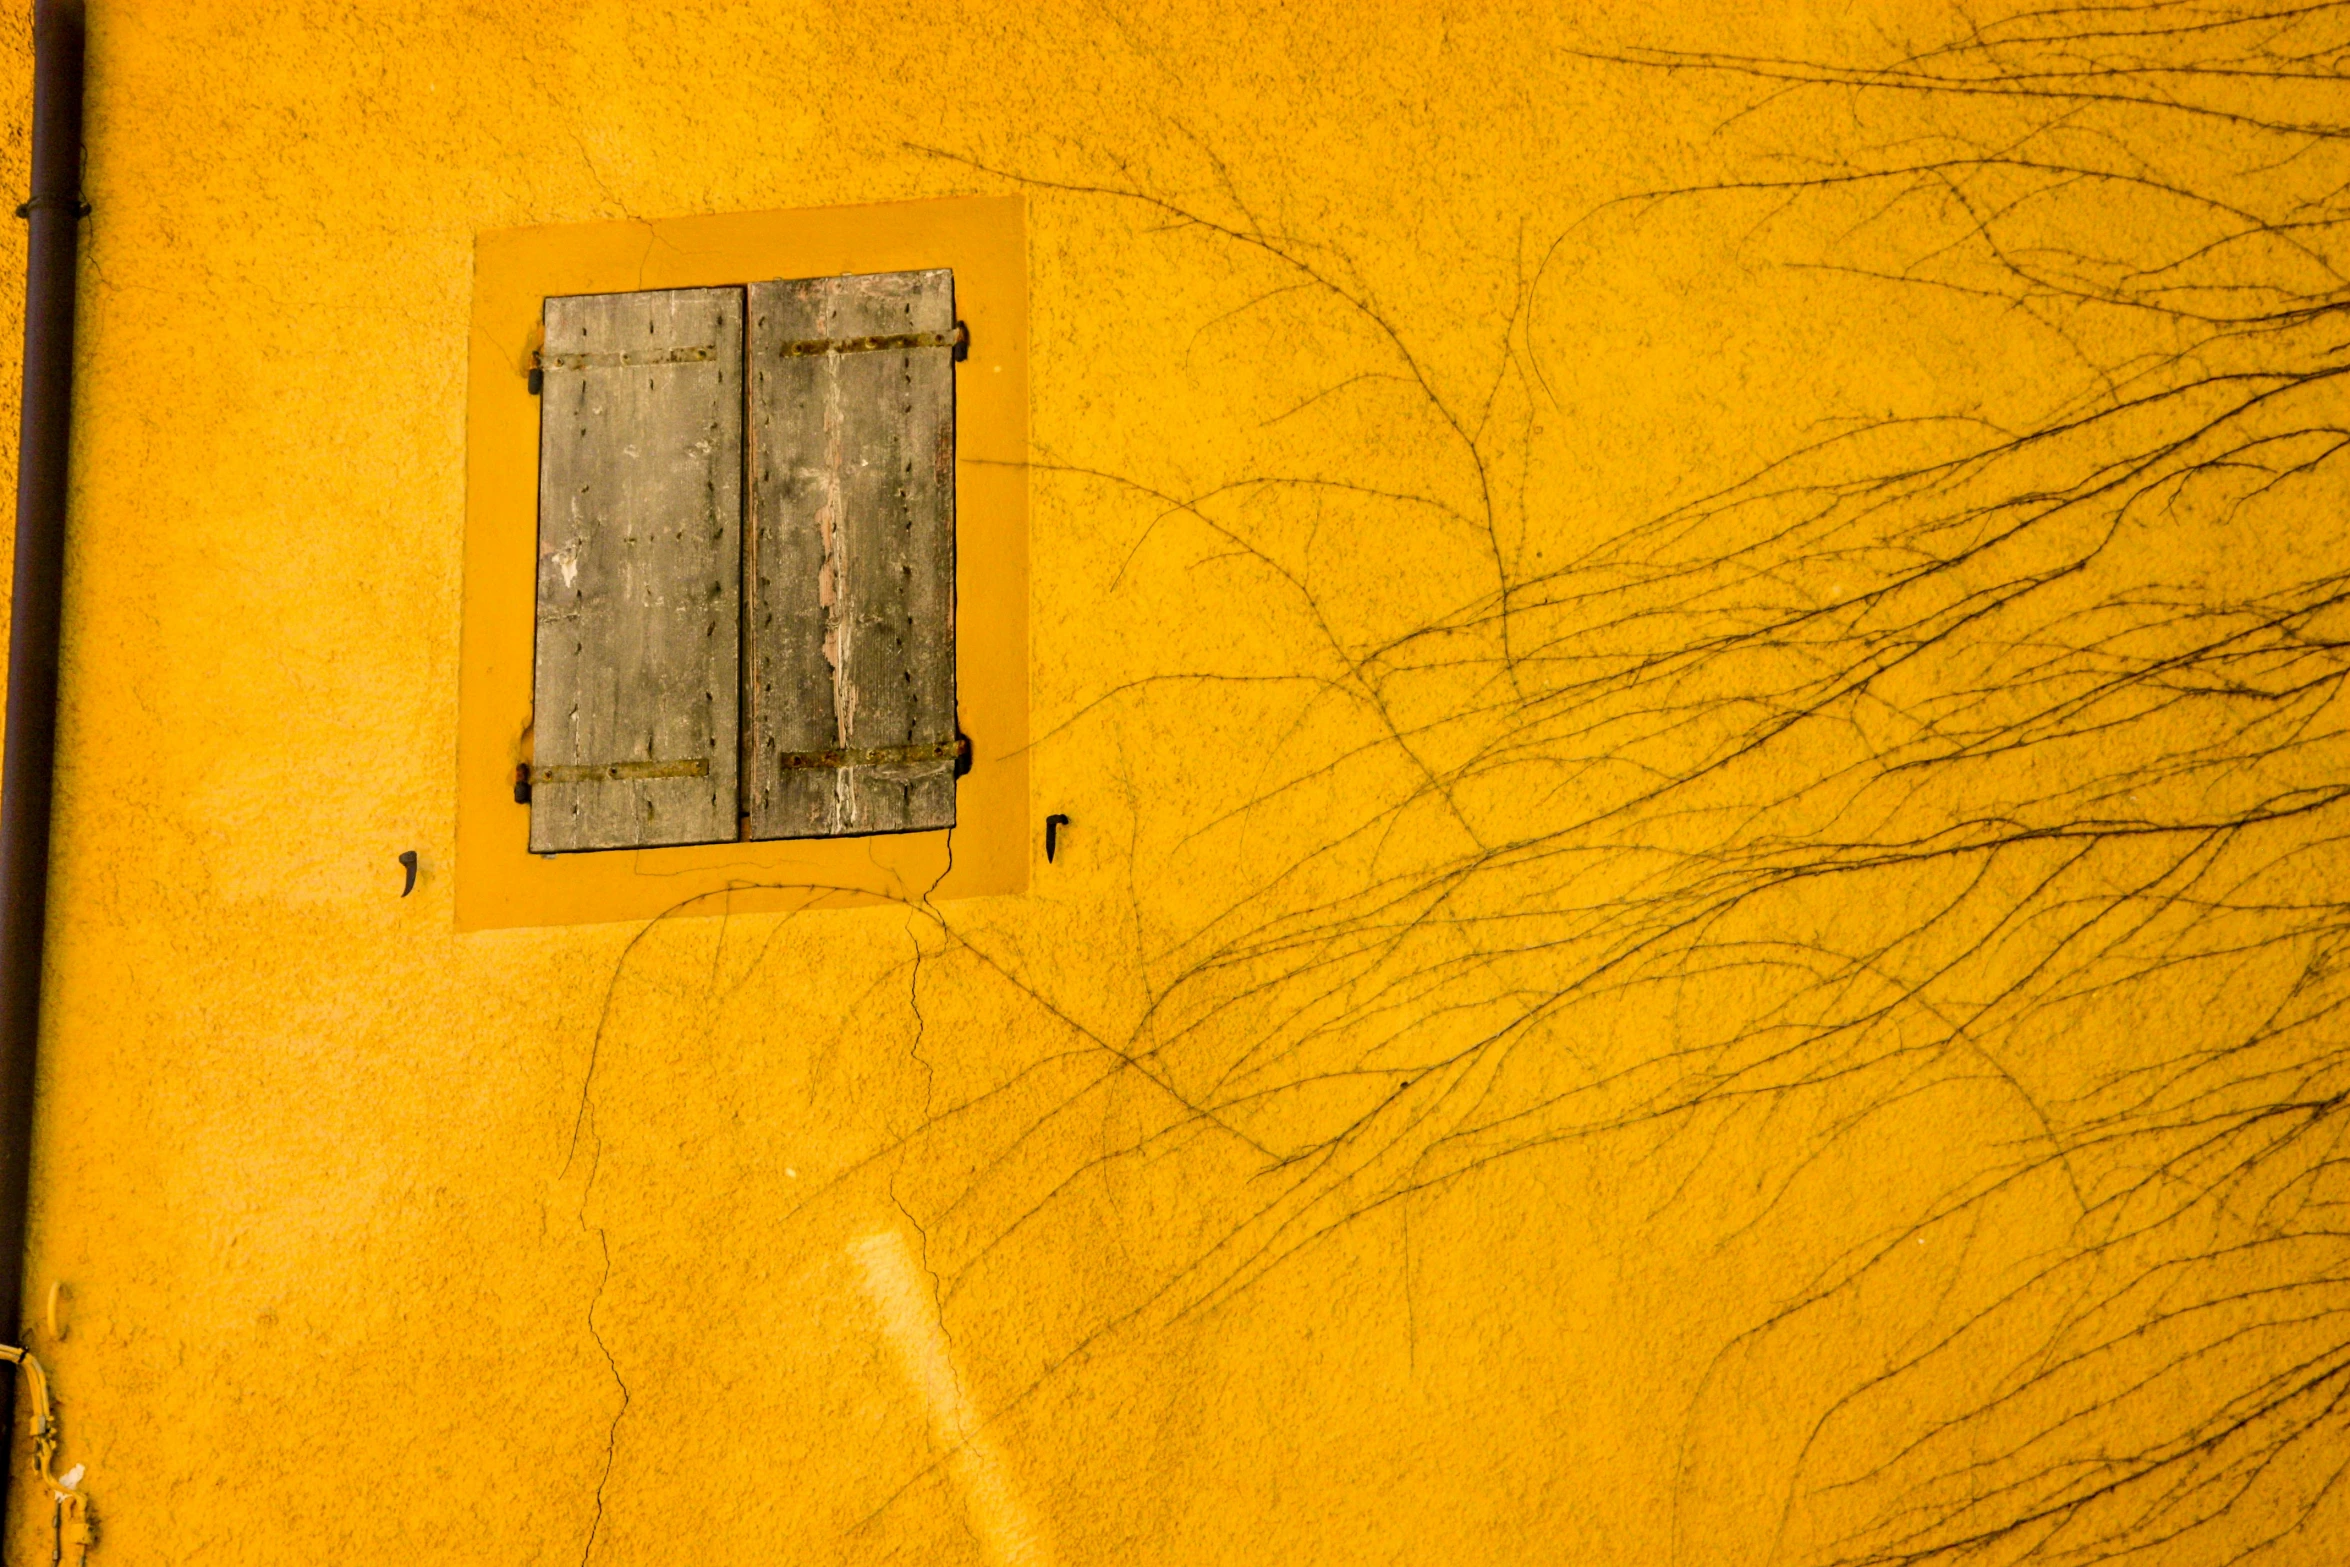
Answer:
[(870, 756), (627, 358), (621, 772), (959, 340)]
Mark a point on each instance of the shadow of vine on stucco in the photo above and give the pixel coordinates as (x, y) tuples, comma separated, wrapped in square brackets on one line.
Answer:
[(1869, 782)]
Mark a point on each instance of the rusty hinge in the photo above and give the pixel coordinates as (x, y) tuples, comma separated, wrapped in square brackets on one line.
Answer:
[(613, 772), (874, 756), (628, 358), (959, 340)]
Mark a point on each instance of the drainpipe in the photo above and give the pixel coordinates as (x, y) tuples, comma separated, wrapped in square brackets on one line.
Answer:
[(55, 213)]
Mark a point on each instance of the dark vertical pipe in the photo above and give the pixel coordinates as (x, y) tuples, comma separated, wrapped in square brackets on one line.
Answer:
[(51, 257)]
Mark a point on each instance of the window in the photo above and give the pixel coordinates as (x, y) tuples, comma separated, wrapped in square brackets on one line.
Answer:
[(842, 824), (746, 567)]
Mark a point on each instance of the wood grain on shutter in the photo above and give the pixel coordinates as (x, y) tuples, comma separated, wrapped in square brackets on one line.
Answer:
[(639, 572), (849, 701)]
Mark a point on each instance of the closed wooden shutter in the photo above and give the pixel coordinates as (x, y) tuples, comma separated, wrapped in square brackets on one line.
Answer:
[(639, 570), (849, 701)]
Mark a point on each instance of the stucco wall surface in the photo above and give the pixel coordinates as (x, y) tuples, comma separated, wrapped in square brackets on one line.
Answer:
[(1227, 1196)]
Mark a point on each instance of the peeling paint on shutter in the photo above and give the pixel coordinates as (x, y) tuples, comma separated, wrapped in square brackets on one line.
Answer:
[(849, 704), (639, 572)]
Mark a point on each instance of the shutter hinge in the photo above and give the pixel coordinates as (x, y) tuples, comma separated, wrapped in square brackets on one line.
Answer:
[(876, 756), (610, 772), (891, 342), (630, 359), (537, 380)]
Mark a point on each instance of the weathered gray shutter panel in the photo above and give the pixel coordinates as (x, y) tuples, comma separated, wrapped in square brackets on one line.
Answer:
[(639, 571), (849, 704)]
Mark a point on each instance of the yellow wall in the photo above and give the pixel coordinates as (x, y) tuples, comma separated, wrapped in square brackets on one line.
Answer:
[(966, 1233)]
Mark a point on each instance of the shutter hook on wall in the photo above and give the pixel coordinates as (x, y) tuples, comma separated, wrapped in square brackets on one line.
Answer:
[(408, 864), (1052, 826)]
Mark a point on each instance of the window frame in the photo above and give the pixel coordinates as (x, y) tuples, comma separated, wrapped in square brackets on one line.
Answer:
[(499, 882)]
